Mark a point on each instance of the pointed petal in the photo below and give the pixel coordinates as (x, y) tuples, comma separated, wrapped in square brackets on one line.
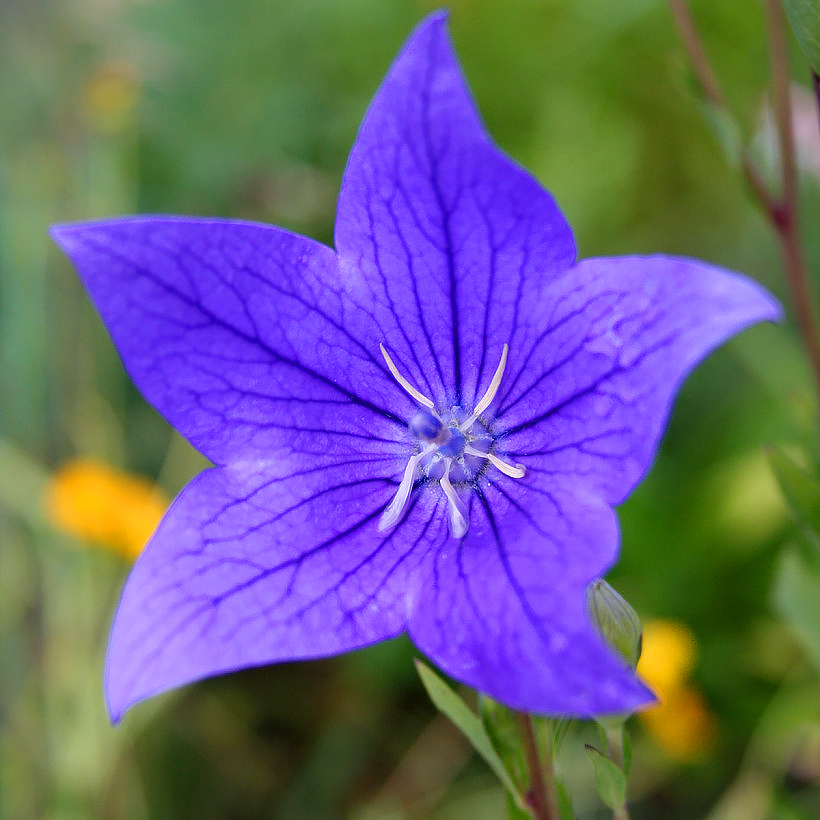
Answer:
[(589, 394), (504, 609), (239, 334), (445, 235), (250, 568)]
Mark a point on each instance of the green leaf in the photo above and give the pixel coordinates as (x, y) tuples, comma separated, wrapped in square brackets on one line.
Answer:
[(451, 705), (502, 727), (797, 599), (725, 130), (804, 16), (801, 491), (514, 811), (616, 738), (610, 781), (565, 810), (560, 728), (627, 749), (723, 126)]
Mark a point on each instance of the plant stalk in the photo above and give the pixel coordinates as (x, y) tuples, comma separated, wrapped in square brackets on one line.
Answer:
[(815, 83), (541, 797), (785, 215), (615, 746), (782, 212)]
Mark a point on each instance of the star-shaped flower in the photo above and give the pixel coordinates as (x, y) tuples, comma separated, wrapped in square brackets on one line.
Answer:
[(423, 430)]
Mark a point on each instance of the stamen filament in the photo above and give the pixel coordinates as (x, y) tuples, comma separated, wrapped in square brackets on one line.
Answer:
[(455, 507), (449, 443), (512, 470), (491, 391), (418, 396), (393, 511)]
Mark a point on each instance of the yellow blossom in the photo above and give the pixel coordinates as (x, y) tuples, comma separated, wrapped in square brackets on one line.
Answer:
[(111, 97), (91, 500), (681, 724)]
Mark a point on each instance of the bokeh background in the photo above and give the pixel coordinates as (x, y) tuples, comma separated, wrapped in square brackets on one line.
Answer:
[(247, 108)]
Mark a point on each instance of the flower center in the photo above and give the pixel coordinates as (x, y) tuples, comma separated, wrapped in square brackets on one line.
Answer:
[(453, 447)]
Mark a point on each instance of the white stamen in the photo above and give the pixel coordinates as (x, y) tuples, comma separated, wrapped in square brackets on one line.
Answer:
[(450, 443), (419, 397), (394, 510), (491, 391), (512, 470), (455, 506)]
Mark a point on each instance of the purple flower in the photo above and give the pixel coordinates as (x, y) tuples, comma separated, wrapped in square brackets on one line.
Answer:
[(423, 430)]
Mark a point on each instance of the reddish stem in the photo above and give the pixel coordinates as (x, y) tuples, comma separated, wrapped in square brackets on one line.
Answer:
[(541, 795), (780, 212)]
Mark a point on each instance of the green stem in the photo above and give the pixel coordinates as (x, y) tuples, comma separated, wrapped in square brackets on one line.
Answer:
[(615, 745), (541, 797)]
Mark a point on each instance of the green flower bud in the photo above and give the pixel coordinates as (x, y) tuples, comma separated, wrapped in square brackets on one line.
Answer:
[(616, 621)]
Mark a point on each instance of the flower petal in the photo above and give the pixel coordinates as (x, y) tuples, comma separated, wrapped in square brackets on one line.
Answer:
[(504, 608), (588, 396), (250, 568), (239, 334), (447, 237)]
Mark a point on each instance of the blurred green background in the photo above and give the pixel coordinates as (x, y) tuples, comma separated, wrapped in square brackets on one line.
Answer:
[(247, 108)]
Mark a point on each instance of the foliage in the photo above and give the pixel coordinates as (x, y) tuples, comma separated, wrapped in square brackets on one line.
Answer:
[(247, 109)]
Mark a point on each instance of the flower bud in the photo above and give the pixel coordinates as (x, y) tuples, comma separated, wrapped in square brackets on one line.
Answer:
[(615, 620)]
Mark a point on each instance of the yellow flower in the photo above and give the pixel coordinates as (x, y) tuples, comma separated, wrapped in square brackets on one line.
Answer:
[(91, 500), (682, 724), (111, 97)]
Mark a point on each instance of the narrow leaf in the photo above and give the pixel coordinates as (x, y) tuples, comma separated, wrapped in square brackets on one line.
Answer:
[(718, 120), (514, 810), (797, 600), (565, 809), (610, 781), (801, 491), (627, 748), (560, 728), (504, 730), (725, 130), (804, 16), (502, 727), (468, 722), (617, 742)]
